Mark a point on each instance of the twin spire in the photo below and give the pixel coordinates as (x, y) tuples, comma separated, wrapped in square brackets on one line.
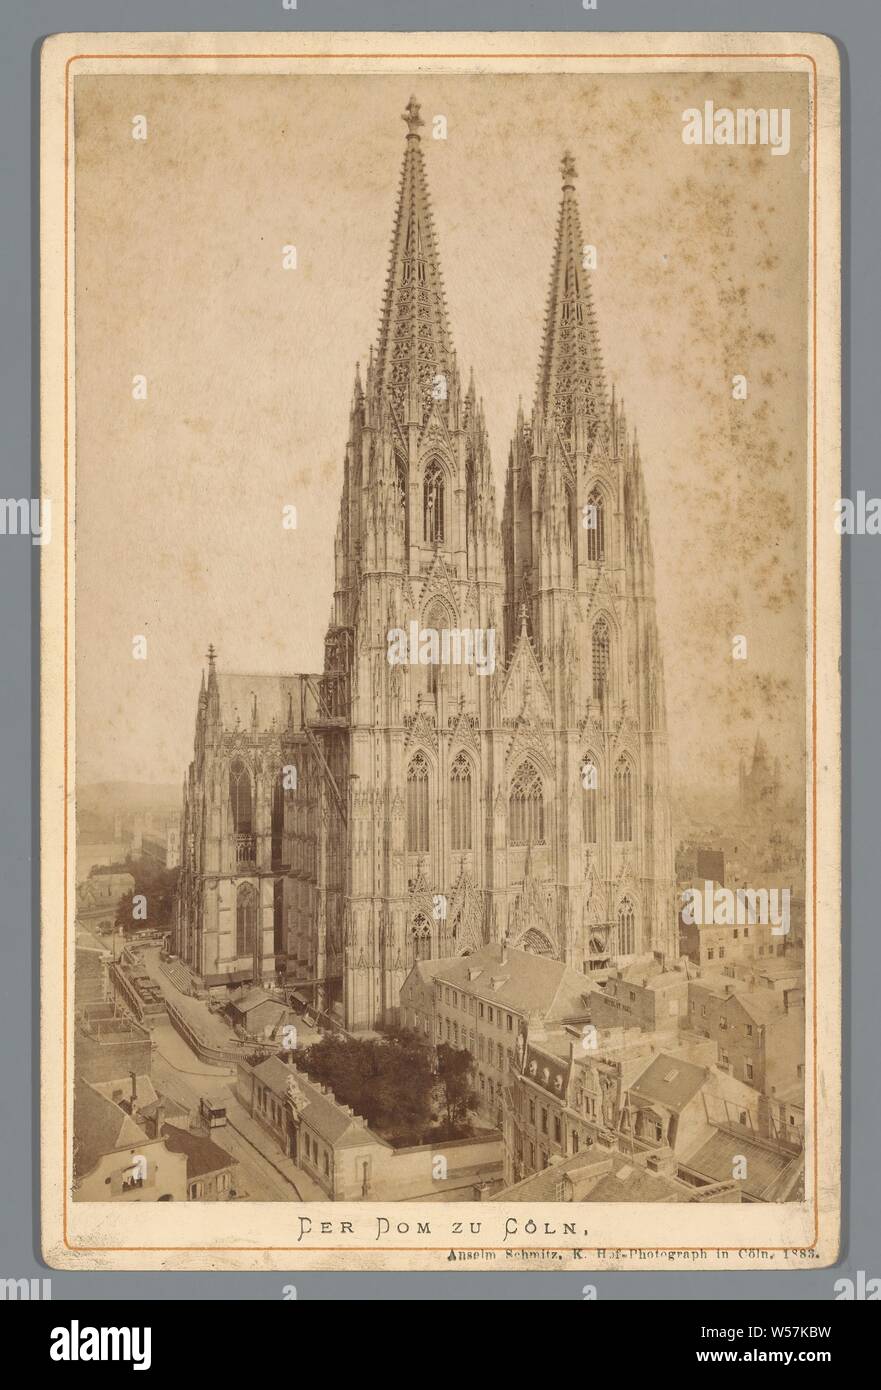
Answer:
[(570, 376), (414, 335), (415, 344)]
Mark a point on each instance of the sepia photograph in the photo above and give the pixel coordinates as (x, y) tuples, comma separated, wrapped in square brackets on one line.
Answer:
[(437, 652)]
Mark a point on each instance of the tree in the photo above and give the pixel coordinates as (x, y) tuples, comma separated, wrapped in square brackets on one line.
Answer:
[(153, 882), (455, 1067), (387, 1080)]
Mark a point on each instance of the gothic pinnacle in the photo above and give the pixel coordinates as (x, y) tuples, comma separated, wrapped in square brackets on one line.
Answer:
[(411, 116)]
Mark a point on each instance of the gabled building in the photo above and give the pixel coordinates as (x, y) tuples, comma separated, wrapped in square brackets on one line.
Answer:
[(486, 1003)]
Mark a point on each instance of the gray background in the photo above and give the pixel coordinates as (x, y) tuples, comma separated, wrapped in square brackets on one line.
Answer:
[(22, 27)]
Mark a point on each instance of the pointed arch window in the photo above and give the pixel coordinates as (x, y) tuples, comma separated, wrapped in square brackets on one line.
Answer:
[(460, 804), (240, 797), (526, 811), (246, 918), (436, 619), (626, 928), (590, 794), (402, 490), (572, 516), (600, 657), (417, 805), (433, 503), (623, 801), (470, 503), (596, 528), (420, 937), (278, 933)]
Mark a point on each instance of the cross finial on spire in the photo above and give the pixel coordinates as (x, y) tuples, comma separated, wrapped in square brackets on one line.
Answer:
[(211, 654), (411, 116), (567, 168)]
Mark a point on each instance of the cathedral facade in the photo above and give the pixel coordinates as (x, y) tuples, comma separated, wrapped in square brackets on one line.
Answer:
[(338, 826)]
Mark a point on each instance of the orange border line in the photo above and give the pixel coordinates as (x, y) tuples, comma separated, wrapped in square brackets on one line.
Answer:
[(814, 131)]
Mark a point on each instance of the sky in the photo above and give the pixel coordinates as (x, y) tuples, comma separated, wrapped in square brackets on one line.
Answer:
[(701, 275)]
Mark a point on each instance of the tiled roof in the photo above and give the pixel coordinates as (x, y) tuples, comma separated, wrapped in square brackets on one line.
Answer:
[(101, 1126), (253, 999), (524, 982), (715, 1159), (324, 1114), (595, 1177), (203, 1155), (146, 1091), (762, 1005), (670, 1081)]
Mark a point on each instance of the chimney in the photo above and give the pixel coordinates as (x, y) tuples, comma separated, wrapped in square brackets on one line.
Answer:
[(134, 1077), (503, 952)]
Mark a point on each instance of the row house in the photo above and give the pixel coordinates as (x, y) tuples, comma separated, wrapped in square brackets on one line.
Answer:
[(486, 1003), (650, 995)]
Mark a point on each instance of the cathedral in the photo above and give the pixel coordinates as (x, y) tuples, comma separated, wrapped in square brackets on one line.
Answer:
[(339, 825)]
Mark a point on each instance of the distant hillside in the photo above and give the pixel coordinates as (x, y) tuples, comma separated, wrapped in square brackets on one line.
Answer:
[(115, 811), (128, 798)]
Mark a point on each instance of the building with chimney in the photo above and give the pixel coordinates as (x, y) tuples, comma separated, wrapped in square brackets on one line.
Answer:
[(484, 755), (485, 1003)]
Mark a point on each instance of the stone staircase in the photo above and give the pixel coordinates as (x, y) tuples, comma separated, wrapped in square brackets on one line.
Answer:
[(178, 974)]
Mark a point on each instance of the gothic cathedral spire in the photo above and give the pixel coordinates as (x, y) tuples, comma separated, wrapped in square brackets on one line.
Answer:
[(571, 386), (414, 336)]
